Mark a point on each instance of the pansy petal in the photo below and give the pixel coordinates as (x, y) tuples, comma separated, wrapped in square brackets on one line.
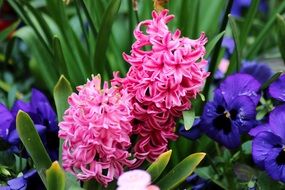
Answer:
[(194, 133), (17, 183), (262, 145), (5, 122), (259, 71), (20, 105), (261, 128), (243, 111), (277, 89), (230, 140), (275, 170), (37, 96), (240, 85), (277, 121)]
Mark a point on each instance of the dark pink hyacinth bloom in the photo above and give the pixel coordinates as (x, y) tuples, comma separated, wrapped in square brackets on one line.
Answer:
[(95, 130), (166, 72)]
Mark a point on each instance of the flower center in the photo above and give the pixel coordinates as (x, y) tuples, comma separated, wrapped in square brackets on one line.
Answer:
[(223, 121), (280, 159)]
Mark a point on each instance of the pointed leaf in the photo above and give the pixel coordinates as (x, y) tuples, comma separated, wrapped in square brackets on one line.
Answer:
[(248, 22), (181, 171), (104, 35), (255, 47), (281, 35), (59, 57), (189, 118), (210, 46), (158, 166), (236, 58), (61, 92), (55, 177), (32, 142), (271, 80)]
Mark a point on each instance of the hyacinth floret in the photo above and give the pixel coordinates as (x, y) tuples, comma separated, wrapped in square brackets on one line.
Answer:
[(166, 72), (95, 130)]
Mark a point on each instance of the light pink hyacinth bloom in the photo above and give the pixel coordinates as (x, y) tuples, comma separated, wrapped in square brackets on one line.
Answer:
[(166, 72), (135, 180), (95, 130)]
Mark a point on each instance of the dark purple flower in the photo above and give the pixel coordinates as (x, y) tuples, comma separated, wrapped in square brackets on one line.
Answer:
[(240, 5), (196, 182), (277, 89), (43, 116), (268, 146), (30, 180), (259, 71), (5, 123), (194, 133), (233, 110)]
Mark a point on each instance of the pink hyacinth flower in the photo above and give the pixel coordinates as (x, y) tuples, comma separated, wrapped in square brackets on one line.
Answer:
[(135, 180), (167, 71), (95, 130)]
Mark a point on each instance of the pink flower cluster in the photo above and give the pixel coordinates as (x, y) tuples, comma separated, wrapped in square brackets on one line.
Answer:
[(96, 131), (166, 72)]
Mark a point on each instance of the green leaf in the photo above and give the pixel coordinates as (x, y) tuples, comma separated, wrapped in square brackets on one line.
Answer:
[(61, 92), (59, 57), (255, 47), (281, 35), (55, 177), (43, 59), (158, 166), (210, 46), (215, 57), (271, 80), (189, 118), (180, 172), (246, 147), (236, 58), (209, 173), (32, 142), (248, 22), (104, 35)]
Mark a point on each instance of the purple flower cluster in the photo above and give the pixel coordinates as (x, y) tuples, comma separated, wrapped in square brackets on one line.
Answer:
[(233, 110), (43, 117), (268, 146)]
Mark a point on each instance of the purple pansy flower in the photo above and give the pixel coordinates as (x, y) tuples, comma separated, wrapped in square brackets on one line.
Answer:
[(196, 182), (29, 180), (258, 70), (277, 89), (268, 146), (43, 116), (194, 133), (239, 5), (233, 110)]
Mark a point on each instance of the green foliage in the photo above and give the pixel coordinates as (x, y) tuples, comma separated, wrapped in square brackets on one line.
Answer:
[(180, 172), (189, 118), (158, 166), (280, 23), (271, 80), (55, 177), (236, 57), (32, 142)]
